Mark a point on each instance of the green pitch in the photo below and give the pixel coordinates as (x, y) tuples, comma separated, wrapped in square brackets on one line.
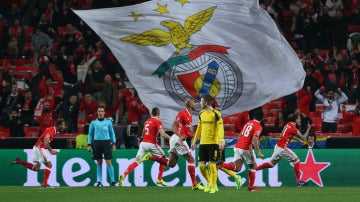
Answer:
[(174, 194)]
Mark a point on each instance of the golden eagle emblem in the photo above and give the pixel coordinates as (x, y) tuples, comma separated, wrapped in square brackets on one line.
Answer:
[(178, 35)]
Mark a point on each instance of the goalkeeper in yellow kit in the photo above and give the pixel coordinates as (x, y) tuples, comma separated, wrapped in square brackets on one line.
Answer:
[(210, 130)]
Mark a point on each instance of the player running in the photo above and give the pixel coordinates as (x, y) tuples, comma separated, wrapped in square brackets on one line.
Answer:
[(39, 151), (282, 150), (244, 149)]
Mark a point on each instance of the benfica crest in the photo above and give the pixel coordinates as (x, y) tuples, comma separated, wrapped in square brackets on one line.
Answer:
[(206, 71), (193, 70)]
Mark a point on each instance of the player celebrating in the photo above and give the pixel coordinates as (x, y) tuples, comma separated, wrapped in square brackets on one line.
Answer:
[(39, 153), (152, 128), (178, 144), (281, 149), (243, 150)]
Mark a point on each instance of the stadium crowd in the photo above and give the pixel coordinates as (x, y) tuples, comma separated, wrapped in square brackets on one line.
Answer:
[(52, 65)]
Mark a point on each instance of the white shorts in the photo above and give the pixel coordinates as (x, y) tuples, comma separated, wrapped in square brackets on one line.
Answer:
[(246, 156), (286, 153), (154, 149), (40, 155), (177, 146)]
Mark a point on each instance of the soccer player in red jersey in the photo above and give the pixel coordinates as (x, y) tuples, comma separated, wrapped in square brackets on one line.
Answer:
[(39, 153), (281, 148), (244, 149), (178, 144), (149, 146)]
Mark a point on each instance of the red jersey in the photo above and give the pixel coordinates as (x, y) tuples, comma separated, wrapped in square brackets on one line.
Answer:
[(356, 126), (90, 109), (152, 126), (46, 120), (132, 103), (287, 133), (50, 133), (242, 119), (184, 120), (251, 128)]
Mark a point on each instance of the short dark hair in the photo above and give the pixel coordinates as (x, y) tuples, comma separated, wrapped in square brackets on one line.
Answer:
[(258, 114), (208, 99), (292, 117), (59, 122), (155, 111), (101, 106), (311, 135)]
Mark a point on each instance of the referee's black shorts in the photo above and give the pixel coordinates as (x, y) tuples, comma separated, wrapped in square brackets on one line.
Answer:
[(102, 148), (208, 152)]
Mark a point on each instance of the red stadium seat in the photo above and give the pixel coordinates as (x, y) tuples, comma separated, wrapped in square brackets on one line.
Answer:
[(267, 107), (319, 107), (28, 75), (353, 28), (4, 132), (81, 125), (316, 125), (344, 128), (69, 135), (26, 68), (315, 114), (229, 128), (31, 131), (230, 119)]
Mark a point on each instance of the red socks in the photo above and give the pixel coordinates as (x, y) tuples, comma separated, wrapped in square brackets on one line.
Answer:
[(27, 165), (191, 171), (161, 171), (251, 177), (297, 171), (264, 165), (131, 168), (229, 166), (47, 172), (161, 160)]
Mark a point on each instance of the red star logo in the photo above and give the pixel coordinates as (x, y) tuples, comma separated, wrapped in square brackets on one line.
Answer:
[(310, 169)]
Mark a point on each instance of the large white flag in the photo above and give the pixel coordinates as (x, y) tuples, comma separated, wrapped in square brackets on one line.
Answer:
[(175, 49)]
